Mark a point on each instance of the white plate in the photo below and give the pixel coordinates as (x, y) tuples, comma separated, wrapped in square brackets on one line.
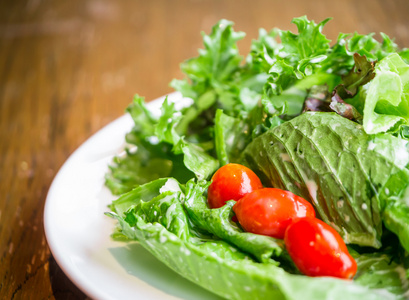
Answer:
[(78, 232)]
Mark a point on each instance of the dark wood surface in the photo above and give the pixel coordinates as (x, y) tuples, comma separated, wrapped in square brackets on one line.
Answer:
[(67, 68)]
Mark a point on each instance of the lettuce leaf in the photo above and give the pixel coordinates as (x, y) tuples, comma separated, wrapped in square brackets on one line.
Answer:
[(361, 73), (381, 270), (272, 84), (348, 175), (147, 156), (218, 222), (250, 110), (215, 66), (176, 227), (387, 96)]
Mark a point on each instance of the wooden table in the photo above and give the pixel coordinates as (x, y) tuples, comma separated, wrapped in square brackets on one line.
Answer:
[(67, 68)]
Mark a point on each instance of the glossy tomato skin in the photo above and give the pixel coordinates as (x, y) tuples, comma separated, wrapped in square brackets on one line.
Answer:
[(269, 211), (318, 250), (231, 182)]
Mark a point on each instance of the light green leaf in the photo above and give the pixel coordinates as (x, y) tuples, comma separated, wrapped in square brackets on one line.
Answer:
[(165, 128), (387, 96)]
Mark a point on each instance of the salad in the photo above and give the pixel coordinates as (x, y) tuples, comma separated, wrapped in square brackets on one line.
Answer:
[(326, 122)]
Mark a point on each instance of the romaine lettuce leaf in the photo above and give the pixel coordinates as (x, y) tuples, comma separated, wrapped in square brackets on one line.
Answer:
[(396, 218), (228, 143), (234, 278), (184, 240), (143, 192), (380, 270), (218, 222), (348, 175)]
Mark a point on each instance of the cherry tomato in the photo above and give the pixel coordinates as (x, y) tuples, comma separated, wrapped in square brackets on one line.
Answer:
[(318, 250), (269, 211), (231, 182)]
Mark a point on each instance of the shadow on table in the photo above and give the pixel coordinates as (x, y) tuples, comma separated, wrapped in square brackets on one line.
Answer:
[(140, 263), (62, 287)]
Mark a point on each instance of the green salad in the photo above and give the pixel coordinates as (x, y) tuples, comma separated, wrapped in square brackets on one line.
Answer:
[(327, 121)]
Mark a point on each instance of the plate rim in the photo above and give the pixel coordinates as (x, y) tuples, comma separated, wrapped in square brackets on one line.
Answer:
[(75, 276)]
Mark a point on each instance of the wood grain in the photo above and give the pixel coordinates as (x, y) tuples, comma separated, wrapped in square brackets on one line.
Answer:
[(67, 68)]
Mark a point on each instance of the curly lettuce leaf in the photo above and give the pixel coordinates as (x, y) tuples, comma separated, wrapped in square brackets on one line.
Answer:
[(302, 61), (144, 120), (309, 54), (263, 51), (165, 127), (306, 49), (300, 56), (367, 45), (147, 156), (142, 166), (212, 72)]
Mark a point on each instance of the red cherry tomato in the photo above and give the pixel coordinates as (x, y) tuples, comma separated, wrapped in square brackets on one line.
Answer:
[(231, 182), (269, 211), (318, 250)]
